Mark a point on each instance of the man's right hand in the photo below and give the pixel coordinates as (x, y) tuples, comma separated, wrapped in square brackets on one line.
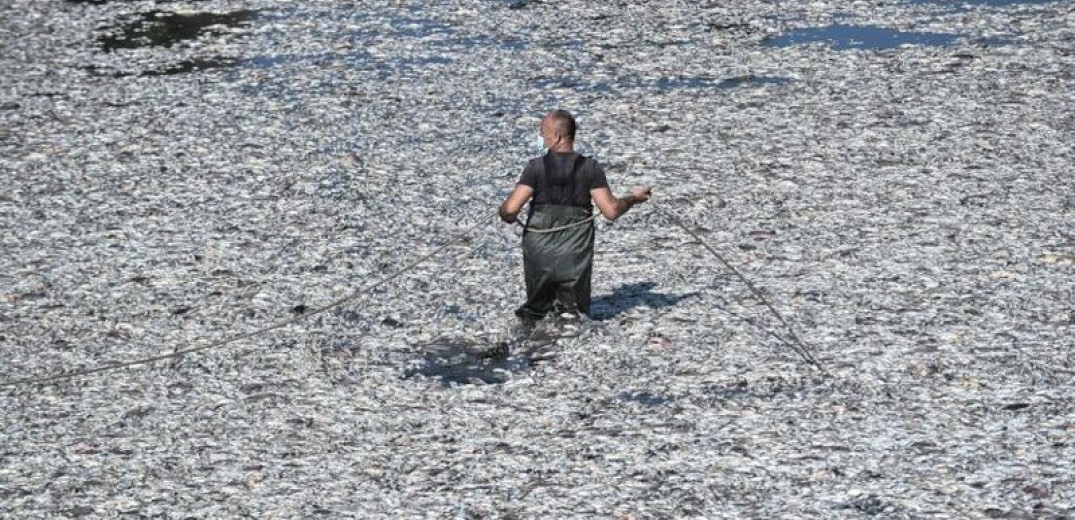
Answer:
[(641, 193), (613, 208)]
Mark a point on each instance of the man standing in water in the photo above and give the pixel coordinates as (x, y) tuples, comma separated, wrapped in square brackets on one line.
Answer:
[(562, 187)]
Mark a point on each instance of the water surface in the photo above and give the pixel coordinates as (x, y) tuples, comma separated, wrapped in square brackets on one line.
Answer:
[(165, 28), (867, 37)]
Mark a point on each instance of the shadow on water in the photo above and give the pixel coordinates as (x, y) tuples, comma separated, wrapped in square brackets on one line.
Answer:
[(842, 37), (464, 362), (164, 28), (629, 296)]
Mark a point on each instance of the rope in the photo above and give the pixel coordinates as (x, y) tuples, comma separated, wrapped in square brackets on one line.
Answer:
[(798, 346), (246, 335), (584, 221)]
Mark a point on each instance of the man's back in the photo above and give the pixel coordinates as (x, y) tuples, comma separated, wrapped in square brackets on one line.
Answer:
[(563, 179), (562, 188)]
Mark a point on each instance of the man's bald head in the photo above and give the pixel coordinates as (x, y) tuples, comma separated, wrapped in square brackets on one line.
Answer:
[(559, 123)]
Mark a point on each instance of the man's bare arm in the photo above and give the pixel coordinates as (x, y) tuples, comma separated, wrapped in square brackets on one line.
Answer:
[(613, 208), (511, 207)]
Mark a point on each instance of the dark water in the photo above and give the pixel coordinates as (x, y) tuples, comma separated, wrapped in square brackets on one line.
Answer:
[(196, 65), (842, 37), (165, 29), (180, 67), (644, 398), (753, 81), (161, 28)]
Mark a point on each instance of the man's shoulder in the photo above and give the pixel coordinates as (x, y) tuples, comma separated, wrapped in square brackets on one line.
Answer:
[(591, 164), (534, 164), (587, 162)]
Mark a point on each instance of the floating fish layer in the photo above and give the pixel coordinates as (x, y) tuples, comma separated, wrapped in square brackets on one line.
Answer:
[(895, 177)]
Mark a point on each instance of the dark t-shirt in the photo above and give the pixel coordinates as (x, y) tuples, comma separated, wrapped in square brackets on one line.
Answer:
[(564, 179)]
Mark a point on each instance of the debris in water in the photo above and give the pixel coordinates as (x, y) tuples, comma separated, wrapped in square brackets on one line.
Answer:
[(177, 172)]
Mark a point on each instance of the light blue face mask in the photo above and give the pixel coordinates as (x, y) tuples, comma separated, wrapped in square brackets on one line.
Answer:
[(539, 146)]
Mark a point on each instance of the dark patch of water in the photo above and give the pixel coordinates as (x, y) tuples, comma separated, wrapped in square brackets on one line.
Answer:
[(464, 362), (690, 82), (567, 82), (738, 390), (870, 504), (178, 68), (751, 80), (842, 37), (195, 65), (645, 398), (452, 310), (165, 28)]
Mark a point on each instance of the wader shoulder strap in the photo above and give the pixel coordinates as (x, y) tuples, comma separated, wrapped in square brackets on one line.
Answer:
[(565, 184)]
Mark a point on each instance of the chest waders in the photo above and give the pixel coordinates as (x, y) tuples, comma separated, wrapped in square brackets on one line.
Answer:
[(558, 265)]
